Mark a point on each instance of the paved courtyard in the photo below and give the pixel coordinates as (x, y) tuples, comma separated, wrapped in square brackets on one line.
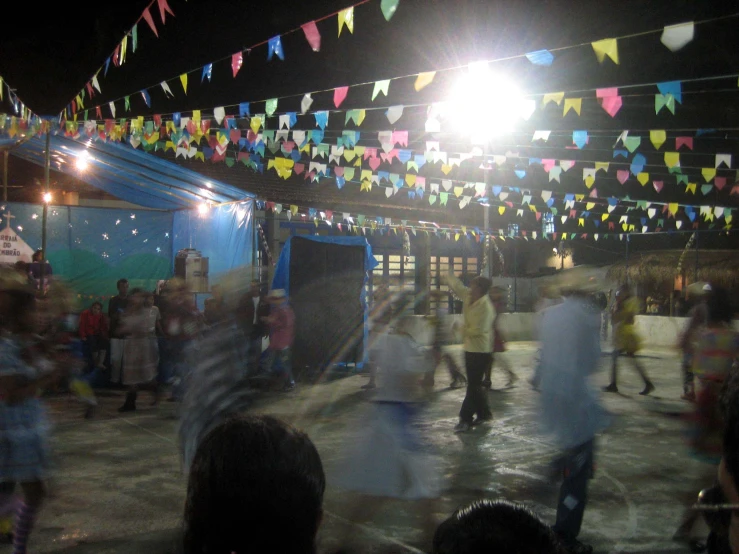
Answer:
[(118, 486)]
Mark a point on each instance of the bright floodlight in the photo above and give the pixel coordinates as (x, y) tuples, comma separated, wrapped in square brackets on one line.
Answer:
[(83, 160), (203, 208), (47, 197), (484, 105)]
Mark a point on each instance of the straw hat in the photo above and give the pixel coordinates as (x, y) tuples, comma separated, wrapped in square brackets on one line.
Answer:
[(582, 278), (699, 288)]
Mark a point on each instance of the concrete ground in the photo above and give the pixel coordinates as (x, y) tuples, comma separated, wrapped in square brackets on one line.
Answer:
[(118, 487)]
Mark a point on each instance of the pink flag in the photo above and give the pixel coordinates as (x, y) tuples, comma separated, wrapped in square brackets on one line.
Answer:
[(147, 17), (164, 7), (622, 175), (658, 185), (611, 104), (687, 141), (312, 35), (339, 95), (720, 182), (236, 61)]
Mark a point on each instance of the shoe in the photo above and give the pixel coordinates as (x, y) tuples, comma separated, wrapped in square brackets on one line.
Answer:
[(127, 408), (611, 388), (289, 386), (462, 427), (486, 383), (130, 404), (649, 387), (454, 384), (481, 420)]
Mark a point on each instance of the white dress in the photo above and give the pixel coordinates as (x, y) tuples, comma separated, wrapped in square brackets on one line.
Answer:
[(390, 457)]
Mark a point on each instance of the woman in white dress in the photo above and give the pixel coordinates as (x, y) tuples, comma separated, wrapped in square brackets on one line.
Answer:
[(391, 459)]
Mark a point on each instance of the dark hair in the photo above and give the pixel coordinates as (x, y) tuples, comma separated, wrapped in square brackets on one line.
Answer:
[(256, 484), (13, 307), (97, 303), (495, 527), (483, 283), (121, 282), (36, 257), (719, 306)]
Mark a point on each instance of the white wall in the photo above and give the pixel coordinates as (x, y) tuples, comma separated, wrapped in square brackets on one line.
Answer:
[(655, 331)]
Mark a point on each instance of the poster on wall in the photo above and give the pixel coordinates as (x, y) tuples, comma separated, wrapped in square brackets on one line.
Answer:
[(12, 247)]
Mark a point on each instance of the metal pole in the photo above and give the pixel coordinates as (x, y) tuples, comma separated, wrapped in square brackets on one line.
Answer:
[(515, 276), (695, 269), (45, 213), (6, 153), (626, 279), (486, 222)]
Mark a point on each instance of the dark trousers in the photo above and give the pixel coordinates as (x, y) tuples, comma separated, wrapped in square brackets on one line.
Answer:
[(475, 401), (577, 468)]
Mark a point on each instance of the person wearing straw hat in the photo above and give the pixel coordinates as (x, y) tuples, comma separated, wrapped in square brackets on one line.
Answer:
[(281, 323), (570, 411), (625, 338), (698, 318)]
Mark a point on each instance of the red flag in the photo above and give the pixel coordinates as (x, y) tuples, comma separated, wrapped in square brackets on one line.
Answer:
[(164, 7), (339, 95), (312, 35), (98, 113), (116, 53), (236, 61), (147, 17)]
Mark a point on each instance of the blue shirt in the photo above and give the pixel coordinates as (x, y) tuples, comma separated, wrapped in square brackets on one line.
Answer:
[(570, 409)]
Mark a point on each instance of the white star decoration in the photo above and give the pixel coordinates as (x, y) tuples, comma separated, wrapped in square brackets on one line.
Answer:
[(159, 249), (166, 235), (117, 221), (105, 236), (135, 232), (133, 216)]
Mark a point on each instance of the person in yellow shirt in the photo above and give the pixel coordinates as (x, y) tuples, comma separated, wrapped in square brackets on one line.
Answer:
[(477, 330)]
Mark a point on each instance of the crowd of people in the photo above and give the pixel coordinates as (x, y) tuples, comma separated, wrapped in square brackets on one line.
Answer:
[(256, 483)]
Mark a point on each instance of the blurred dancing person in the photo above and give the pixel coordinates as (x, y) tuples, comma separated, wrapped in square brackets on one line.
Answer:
[(497, 297), (442, 338), (625, 338), (253, 307), (281, 324), (27, 366), (570, 410), (715, 351), (478, 314), (116, 307), (698, 317), (391, 459)]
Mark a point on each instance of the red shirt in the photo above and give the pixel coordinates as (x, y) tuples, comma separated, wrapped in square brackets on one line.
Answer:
[(281, 327), (92, 324)]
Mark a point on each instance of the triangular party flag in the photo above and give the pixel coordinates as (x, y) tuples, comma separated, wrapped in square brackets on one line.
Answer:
[(346, 17), (147, 17), (658, 138), (720, 182), (632, 143), (166, 89), (622, 175), (183, 80), (147, 99), (94, 84), (574, 104), (270, 106), (388, 8), (339, 95), (393, 113), (723, 159), (672, 159), (675, 37), (305, 103), (686, 141), (424, 79), (705, 189), (611, 104), (658, 185), (237, 60), (579, 139), (661, 101), (671, 88), (312, 35), (164, 8), (643, 178), (540, 57), (380, 86), (207, 72), (274, 47), (708, 173), (606, 47), (555, 97)]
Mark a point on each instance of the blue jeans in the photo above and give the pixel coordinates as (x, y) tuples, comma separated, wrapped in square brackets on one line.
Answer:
[(284, 358), (577, 468)]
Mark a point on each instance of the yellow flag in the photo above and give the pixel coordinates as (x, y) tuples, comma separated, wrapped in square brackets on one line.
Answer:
[(581, 222), (690, 188), (672, 208), (183, 80), (672, 159), (601, 165), (346, 17), (255, 124), (572, 103), (708, 173), (606, 47), (501, 210), (579, 197), (458, 191), (643, 178), (658, 138), (604, 217), (410, 178), (589, 180), (589, 205), (424, 79), (555, 97)]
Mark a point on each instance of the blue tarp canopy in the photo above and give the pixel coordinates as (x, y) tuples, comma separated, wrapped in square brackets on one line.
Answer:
[(125, 172)]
